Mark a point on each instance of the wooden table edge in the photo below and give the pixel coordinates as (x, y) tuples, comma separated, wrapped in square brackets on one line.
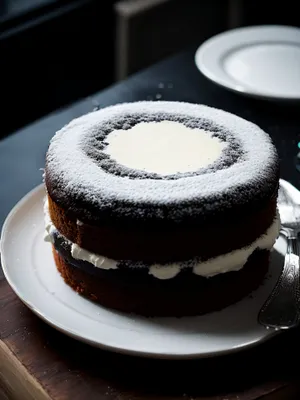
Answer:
[(24, 387), (19, 384)]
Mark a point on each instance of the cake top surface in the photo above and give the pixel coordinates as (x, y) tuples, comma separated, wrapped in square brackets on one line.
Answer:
[(164, 147), (97, 164)]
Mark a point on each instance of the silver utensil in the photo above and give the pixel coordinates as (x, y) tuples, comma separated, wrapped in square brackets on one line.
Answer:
[(282, 308)]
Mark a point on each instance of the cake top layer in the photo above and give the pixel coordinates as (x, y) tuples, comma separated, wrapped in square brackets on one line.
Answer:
[(165, 147), (84, 172)]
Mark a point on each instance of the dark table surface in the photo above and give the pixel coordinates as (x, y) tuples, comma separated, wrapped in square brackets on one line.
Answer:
[(22, 154), (70, 369)]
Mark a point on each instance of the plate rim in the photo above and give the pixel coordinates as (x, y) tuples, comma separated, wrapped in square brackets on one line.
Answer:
[(229, 84), (269, 334)]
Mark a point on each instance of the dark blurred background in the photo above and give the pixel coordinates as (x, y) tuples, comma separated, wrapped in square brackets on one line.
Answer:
[(54, 52)]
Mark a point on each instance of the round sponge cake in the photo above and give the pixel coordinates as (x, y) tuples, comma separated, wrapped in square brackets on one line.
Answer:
[(162, 208)]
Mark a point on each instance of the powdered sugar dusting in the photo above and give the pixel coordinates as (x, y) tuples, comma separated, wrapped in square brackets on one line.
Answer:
[(82, 177)]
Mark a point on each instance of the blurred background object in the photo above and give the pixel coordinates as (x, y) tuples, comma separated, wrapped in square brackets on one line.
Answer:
[(54, 52), (149, 30)]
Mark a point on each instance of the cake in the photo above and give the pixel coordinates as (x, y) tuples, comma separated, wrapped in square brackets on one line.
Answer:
[(162, 208)]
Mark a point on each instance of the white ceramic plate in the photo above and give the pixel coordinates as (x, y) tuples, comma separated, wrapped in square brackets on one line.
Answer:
[(31, 272), (260, 61)]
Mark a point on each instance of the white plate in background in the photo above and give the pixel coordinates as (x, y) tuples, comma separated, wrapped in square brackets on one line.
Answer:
[(259, 61)]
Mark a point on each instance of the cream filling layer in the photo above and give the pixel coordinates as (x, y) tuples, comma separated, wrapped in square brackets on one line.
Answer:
[(233, 261)]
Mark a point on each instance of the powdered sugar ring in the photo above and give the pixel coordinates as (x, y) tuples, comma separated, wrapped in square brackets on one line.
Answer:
[(75, 179), (95, 145)]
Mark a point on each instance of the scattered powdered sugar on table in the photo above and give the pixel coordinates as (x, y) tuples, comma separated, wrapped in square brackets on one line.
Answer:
[(81, 176)]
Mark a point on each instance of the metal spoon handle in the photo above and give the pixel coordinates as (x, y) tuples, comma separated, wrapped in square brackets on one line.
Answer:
[(282, 308)]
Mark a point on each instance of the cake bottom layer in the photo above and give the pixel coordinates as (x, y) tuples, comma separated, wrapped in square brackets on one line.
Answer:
[(184, 295)]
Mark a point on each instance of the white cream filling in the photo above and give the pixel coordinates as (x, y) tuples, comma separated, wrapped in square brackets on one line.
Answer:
[(233, 261), (98, 261), (236, 259), (165, 147)]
